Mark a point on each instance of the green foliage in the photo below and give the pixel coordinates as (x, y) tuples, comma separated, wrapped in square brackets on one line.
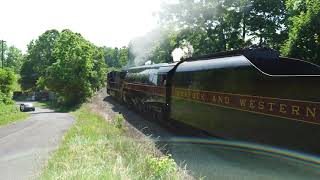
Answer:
[(161, 167), (155, 46), (7, 81), (38, 58), (78, 71), (10, 113), (162, 49), (115, 57), (212, 26), (304, 35), (119, 122), (95, 149), (4, 51), (14, 59), (265, 22)]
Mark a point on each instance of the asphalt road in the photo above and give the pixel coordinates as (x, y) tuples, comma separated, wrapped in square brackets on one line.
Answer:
[(25, 146)]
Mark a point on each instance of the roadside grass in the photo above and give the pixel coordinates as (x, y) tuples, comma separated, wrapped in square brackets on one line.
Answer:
[(11, 113), (55, 106), (97, 149)]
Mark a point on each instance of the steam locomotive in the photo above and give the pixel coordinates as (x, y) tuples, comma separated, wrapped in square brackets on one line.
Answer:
[(251, 95)]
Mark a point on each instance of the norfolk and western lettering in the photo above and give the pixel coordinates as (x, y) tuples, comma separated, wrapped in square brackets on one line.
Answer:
[(286, 108)]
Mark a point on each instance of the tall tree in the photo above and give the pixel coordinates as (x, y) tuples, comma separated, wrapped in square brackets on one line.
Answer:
[(266, 22), (39, 57), (108, 56), (218, 25), (3, 51), (14, 58), (79, 69), (123, 56), (304, 35)]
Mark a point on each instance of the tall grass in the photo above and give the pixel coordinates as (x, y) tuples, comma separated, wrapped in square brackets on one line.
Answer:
[(96, 149), (10, 113)]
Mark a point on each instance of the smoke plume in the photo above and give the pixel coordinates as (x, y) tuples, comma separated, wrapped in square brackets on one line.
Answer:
[(184, 51), (141, 47)]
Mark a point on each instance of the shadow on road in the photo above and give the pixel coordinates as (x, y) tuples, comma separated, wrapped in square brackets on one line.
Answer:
[(43, 112)]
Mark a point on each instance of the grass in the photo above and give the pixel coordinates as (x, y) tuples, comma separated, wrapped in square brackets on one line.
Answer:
[(55, 106), (96, 149), (10, 113)]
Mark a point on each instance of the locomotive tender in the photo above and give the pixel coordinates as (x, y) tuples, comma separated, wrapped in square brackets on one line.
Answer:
[(248, 95)]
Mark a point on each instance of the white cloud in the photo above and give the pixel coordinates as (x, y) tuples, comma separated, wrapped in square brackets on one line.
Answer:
[(104, 22)]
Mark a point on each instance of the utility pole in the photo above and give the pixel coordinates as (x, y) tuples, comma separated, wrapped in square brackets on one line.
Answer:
[(2, 53)]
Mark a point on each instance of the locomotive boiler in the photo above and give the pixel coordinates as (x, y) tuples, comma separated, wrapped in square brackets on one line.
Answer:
[(250, 95)]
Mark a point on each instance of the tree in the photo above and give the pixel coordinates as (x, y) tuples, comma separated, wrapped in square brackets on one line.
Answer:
[(267, 22), (3, 52), (108, 56), (219, 25), (79, 68), (14, 59), (7, 79), (163, 48), (39, 57), (116, 57), (304, 34), (155, 46), (123, 56)]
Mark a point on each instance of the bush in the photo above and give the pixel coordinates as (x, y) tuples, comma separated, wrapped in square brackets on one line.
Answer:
[(119, 123), (7, 81), (161, 167), (10, 113), (79, 69)]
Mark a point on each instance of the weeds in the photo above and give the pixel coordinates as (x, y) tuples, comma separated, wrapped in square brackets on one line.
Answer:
[(10, 113), (119, 121), (160, 167), (96, 149)]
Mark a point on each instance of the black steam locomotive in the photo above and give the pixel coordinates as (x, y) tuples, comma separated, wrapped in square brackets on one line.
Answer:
[(248, 95)]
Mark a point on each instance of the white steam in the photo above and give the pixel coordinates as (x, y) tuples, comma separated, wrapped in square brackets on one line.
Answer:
[(184, 51), (141, 47), (148, 63)]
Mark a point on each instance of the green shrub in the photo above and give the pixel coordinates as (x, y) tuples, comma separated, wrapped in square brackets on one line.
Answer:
[(7, 81), (119, 121), (96, 149), (79, 69), (161, 166), (10, 113)]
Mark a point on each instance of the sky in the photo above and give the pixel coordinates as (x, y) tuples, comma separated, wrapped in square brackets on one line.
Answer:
[(110, 23)]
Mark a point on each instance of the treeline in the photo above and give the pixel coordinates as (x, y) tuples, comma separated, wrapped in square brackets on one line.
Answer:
[(12, 57), (61, 62), (64, 63), (289, 26), (116, 57)]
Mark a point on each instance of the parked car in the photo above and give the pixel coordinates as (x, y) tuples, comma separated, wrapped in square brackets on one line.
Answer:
[(27, 107)]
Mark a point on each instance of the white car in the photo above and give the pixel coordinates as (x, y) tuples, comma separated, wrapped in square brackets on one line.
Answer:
[(27, 107)]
